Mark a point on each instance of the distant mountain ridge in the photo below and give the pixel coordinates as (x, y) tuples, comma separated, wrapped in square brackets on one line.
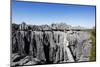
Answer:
[(59, 26)]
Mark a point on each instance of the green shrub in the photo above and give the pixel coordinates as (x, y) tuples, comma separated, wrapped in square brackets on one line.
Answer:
[(93, 50)]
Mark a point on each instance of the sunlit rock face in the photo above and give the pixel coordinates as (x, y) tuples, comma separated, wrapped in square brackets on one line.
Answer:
[(32, 47)]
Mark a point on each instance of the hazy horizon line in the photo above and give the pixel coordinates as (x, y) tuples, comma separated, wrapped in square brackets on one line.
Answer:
[(54, 23)]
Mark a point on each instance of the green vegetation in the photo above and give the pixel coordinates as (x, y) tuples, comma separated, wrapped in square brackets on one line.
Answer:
[(93, 38)]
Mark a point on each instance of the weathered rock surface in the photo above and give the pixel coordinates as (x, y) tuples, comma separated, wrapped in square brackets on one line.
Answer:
[(47, 47)]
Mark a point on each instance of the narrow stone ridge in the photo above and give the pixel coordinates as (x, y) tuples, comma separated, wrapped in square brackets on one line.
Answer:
[(66, 49), (32, 47)]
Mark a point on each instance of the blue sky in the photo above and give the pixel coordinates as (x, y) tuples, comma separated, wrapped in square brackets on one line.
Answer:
[(44, 13)]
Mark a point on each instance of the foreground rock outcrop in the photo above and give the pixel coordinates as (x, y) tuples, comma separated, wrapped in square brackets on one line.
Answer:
[(32, 47)]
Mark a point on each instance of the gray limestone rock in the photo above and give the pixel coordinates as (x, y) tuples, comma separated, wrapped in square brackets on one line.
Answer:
[(38, 46)]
